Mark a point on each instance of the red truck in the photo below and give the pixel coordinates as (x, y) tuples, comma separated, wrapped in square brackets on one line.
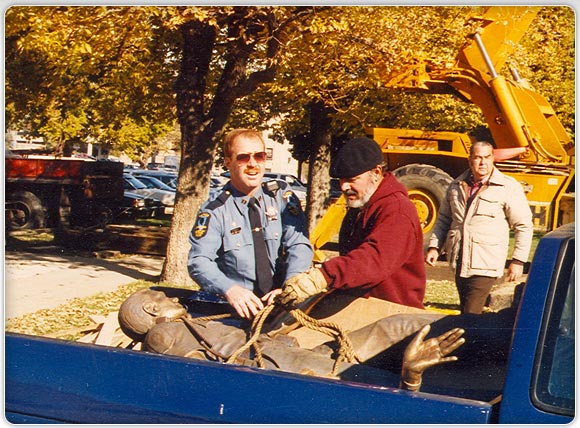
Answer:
[(44, 192)]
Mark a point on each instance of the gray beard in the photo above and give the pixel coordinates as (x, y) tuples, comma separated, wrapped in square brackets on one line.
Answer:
[(363, 200)]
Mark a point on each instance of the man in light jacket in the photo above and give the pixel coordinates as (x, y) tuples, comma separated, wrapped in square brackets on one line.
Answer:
[(473, 225)]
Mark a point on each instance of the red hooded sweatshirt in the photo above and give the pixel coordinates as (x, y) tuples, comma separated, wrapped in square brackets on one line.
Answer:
[(381, 248)]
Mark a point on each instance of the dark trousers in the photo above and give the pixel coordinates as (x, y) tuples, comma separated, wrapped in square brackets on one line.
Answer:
[(473, 292)]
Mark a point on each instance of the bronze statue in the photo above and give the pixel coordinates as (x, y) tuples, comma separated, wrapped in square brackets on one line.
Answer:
[(164, 326)]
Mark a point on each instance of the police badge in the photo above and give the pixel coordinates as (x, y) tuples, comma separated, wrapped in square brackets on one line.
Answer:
[(271, 213)]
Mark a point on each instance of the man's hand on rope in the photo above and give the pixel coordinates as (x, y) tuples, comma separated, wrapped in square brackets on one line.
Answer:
[(300, 287), (270, 296), (246, 303), (422, 354)]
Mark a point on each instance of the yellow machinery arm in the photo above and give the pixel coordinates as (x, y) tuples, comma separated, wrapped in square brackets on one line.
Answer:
[(518, 117), (499, 29), (522, 122), (327, 229)]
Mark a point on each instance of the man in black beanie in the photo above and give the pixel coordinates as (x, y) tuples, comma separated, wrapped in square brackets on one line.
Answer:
[(380, 240)]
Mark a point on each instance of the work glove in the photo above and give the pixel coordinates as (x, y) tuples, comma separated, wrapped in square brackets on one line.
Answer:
[(300, 287)]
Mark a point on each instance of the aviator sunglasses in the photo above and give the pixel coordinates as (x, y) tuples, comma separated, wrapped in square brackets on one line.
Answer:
[(245, 157)]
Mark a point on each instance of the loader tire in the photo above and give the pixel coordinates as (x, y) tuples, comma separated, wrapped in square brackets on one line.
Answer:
[(426, 186)]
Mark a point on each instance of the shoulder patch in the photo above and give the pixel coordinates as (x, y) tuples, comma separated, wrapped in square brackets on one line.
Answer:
[(292, 202), (201, 224)]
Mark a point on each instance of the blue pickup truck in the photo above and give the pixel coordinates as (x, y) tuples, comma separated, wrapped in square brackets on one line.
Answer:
[(55, 381)]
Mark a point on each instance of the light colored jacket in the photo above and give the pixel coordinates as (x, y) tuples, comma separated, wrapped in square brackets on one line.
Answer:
[(482, 233)]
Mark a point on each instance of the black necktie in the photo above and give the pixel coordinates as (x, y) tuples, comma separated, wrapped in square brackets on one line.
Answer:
[(263, 273)]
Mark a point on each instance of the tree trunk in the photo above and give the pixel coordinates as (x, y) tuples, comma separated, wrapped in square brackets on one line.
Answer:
[(192, 191), (197, 147), (201, 125), (318, 173)]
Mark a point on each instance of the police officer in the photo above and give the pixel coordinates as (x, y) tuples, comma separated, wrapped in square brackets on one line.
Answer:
[(222, 258)]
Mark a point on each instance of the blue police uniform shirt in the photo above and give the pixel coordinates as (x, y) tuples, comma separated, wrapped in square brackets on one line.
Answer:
[(222, 252)]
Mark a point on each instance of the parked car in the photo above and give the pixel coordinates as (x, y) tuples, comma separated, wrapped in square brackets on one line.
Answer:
[(215, 186), (166, 197), (292, 180), (138, 206), (167, 177), (156, 166), (153, 183), (296, 185)]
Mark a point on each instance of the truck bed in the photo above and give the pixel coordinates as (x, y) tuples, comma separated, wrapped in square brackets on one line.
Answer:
[(50, 380)]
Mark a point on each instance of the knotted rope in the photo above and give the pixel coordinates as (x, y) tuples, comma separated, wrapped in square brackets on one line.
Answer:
[(345, 352)]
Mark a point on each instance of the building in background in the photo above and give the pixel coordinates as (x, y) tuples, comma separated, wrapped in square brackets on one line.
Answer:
[(19, 140), (279, 156)]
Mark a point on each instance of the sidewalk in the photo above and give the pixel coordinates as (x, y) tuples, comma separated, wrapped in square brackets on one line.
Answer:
[(46, 277)]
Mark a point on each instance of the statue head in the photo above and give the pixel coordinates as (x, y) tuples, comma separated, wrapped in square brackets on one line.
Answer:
[(140, 311)]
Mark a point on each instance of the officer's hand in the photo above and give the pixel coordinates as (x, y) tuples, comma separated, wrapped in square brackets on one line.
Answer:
[(432, 256), (246, 303), (421, 354), (301, 286), (270, 296)]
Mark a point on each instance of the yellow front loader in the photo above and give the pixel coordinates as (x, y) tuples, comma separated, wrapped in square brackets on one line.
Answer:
[(531, 143)]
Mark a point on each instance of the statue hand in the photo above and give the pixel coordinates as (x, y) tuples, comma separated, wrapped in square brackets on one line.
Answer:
[(422, 354)]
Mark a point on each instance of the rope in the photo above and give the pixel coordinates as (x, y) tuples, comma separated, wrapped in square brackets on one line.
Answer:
[(345, 351), (213, 317), (257, 325)]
